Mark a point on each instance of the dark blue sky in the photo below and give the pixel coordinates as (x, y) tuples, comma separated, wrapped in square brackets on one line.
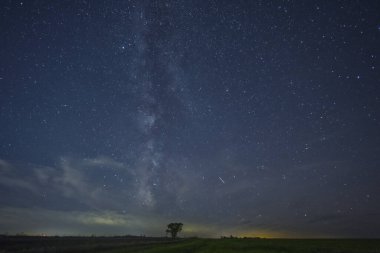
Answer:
[(256, 118)]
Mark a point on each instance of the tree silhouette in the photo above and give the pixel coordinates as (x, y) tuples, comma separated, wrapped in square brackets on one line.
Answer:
[(174, 228)]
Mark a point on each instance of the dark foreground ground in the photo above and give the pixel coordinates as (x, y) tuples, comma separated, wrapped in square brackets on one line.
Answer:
[(151, 245)]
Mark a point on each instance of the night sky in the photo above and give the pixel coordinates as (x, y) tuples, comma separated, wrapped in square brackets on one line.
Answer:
[(250, 118)]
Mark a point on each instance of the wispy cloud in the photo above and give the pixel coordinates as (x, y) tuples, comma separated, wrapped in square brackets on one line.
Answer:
[(54, 222), (39, 220)]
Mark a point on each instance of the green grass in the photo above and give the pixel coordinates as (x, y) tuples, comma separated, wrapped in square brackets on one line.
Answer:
[(192, 245), (259, 246), (160, 245)]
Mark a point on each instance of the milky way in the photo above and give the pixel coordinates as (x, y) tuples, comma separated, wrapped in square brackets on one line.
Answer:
[(246, 118)]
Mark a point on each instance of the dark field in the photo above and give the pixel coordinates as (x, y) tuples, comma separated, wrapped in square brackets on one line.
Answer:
[(147, 244)]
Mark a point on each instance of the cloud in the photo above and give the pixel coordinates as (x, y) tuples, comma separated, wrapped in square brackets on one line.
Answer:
[(101, 194), (54, 222), (103, 161), (93, 182), (4, 166), (9, 178), (18, 183)]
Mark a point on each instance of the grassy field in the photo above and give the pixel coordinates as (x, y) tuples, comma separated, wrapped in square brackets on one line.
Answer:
[(152, 245), (263, 246)]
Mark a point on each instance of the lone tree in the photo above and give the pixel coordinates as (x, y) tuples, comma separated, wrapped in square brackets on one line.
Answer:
[(174, 228)]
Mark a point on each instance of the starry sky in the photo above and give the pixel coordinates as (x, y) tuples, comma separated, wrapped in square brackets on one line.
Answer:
[(250, 118)]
